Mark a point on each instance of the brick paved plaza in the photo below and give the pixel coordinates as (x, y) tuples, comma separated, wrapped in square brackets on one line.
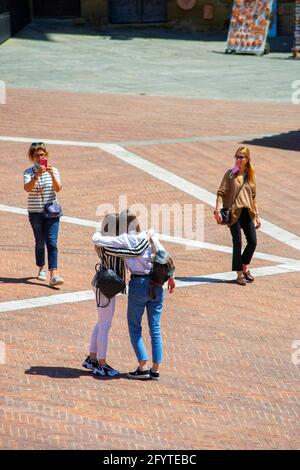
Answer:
[(228, 380)]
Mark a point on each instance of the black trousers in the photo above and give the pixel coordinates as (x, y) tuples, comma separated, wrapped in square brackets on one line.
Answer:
[(244, 223)]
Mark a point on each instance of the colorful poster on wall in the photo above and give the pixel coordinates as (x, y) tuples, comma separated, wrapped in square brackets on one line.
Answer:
[(297, 26), (249, 26)]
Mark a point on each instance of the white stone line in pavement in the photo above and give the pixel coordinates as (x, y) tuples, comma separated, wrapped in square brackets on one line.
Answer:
[(192, 189), (230, 275), (64, 218), (45, 301), (167, 238), (13, 209), (80, 296), (205, 138), (168, 177), (226, 249), (29, 140)]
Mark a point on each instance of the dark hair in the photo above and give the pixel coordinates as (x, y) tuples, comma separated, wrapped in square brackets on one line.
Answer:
[(128, 221), (37, 146), (110, 225)]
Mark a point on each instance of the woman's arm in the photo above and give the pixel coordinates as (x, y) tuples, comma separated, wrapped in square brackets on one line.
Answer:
[(258, 222), (221, 193), (30, 185), (56, 185), (30, 181), (253, 190), (220, 197), (124, 245)]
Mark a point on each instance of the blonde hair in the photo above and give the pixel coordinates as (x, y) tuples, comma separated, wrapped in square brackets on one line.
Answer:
[(37, 146), (249, 165)]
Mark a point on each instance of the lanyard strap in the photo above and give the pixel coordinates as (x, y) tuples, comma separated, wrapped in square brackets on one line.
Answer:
[(40, 189)]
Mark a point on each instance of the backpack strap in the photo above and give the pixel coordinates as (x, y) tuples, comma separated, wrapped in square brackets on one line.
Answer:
[(40, 189), (98, 297), (99, 267)]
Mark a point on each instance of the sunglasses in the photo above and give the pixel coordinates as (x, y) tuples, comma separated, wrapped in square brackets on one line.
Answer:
[(239, 157), (38, 144)]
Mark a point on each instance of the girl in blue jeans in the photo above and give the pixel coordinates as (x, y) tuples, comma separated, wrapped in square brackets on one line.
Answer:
[(139, 299)]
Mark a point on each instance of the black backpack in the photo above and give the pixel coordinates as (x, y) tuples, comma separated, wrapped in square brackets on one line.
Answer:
[(162, 270), (106, 282), (161, 273)]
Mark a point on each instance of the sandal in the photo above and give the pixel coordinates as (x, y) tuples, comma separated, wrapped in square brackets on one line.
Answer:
[(248, 276), (241, 280)]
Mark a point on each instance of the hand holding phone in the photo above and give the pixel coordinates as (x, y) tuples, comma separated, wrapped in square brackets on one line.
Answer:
[(44, 162)]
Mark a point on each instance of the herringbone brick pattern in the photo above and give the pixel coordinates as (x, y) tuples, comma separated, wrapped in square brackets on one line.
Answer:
[(228, 380)]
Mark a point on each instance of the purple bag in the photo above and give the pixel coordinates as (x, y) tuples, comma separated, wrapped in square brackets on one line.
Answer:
[(52, 209)]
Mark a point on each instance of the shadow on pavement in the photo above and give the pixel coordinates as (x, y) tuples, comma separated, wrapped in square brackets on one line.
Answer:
[(39, 29), (68, 373), (285, 141), (25, 280)]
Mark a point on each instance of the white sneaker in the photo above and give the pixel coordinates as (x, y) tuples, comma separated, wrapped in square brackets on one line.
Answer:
[(42, 276), (56, 280)]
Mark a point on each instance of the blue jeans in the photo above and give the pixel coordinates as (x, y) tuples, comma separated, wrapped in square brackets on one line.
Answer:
[(138, 300), (45, 233)]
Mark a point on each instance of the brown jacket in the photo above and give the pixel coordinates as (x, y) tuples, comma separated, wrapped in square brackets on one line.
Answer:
[(227, 192)]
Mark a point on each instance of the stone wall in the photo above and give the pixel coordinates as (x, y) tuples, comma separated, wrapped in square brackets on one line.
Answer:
[(194, 18), (97, 11)]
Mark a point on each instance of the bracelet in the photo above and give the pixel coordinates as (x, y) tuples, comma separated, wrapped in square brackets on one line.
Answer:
[(35, 178)]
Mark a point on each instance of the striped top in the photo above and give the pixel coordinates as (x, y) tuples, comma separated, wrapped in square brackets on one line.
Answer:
[(36, 200)]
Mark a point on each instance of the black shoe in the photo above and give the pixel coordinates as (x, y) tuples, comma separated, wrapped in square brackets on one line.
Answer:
[(154, 375), (109, 371), (139, 374), (89, 364), (105, 370), (98, 370)]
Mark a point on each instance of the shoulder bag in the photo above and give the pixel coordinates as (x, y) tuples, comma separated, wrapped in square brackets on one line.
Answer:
[(225, 213), (51, 209)]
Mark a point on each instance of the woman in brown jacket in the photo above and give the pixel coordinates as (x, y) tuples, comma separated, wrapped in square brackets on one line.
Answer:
[(237, 192)]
